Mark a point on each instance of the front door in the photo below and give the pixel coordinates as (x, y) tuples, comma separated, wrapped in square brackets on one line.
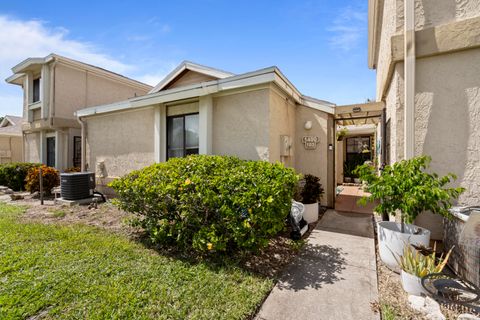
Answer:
[(51, 151)]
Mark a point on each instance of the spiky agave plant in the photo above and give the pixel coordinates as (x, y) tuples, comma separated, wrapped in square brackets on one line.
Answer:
[(414, 262)]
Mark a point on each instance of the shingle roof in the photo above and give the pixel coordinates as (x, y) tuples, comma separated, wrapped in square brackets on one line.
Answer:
[(11, 125)]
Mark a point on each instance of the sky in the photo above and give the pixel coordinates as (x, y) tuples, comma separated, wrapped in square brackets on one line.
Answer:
[(321, 46)]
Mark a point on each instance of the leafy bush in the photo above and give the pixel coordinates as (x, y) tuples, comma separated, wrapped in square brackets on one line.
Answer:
[(407, 187), (209, 203), (51, 179), (13, 174), (72, 169), (312, 190)]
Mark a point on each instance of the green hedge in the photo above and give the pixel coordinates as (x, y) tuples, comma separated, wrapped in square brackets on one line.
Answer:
[(13, 174), (209, 203)]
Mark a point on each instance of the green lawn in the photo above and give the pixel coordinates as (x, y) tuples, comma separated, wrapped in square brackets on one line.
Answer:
[(80, 272)]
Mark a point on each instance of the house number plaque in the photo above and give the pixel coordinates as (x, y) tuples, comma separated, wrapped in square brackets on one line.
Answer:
[(310, 142)]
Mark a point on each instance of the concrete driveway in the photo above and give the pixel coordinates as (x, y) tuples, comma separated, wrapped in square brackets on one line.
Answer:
[(333, 278)]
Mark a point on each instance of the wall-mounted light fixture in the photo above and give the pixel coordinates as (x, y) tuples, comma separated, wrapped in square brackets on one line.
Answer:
[(330, 147), (308, 125)]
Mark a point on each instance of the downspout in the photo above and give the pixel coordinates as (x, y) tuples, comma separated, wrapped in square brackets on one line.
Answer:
[(409, 72), (84, 145)]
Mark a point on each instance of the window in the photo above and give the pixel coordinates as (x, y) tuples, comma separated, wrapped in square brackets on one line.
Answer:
[(358, 144), (51, 151), (36, 90), (358, 150), (77, 151), (182, 135)]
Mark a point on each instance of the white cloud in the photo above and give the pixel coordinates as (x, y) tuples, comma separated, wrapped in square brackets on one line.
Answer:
[(349, 29), (162, 69), (22, 39)]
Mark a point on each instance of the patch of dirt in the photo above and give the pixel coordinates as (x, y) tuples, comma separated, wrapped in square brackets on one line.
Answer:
[(104, 215), (279, 253)]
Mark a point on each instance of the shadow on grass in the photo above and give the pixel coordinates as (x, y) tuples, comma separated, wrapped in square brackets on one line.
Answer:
[(268, 262), (315, 266)]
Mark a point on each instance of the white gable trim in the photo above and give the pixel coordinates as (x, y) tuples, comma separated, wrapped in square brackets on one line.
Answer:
[(186, 65), (263, 76), (5, 122)]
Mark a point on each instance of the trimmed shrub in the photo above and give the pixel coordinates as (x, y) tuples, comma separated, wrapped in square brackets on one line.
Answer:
[(13, 174), (72, 169), (209, 203), (51, 179)]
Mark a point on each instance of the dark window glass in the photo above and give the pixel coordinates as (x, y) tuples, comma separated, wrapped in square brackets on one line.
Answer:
[(358, 150), (36, 90), (77, 151), (182, 135), (51, 151)]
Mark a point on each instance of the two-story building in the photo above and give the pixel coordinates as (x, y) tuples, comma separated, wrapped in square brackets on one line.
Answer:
[(54, 87)]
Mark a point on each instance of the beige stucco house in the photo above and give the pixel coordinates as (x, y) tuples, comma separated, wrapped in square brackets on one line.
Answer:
[(54, 87), (11, 146), (258, 115), (427, 57)]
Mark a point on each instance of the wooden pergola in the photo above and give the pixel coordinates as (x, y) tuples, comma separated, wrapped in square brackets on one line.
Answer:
[(359, 114)]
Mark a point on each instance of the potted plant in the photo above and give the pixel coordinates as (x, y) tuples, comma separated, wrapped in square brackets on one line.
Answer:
[(341, 134), (310, 194), (406, 188), (416, 265), (347, 172)]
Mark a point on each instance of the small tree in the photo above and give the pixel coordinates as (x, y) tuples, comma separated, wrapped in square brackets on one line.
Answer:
[(407, 187)]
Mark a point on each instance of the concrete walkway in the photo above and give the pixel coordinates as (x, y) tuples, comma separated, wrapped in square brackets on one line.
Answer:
[(333, 278)]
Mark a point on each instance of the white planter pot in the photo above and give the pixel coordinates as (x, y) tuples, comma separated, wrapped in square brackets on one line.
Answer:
[(311, 212), (413, 284), (391, 240)]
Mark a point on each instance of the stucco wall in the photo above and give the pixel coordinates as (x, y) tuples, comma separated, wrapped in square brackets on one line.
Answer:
[(394, 107), (32, 147), (122, 141), (282, 122), (241, 124), (76, 89), (387, 31), (430, 13), (10, 149), (313, 161), (447, 116), (447, 122)]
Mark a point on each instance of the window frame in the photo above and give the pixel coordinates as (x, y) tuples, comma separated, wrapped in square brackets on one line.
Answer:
[(49, 161), (77, 160), (184, 149), (37, 96)]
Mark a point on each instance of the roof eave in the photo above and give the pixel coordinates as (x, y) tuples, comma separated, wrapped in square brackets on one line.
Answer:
[(15, 79), (27, 63), (267, 75), (375, 8)]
